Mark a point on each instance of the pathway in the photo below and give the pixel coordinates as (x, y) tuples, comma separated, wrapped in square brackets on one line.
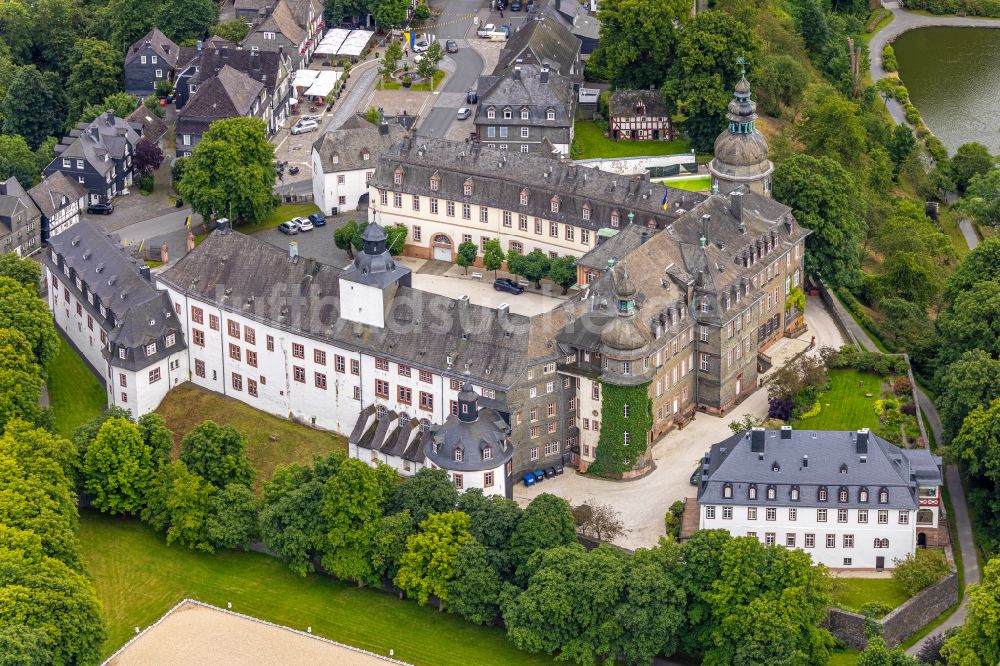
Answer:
[(970, 234), (903, 21)]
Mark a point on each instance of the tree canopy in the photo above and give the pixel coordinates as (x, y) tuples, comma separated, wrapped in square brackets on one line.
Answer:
[(218, 454), (978, 640), (118, 468), (428, 565), (638, 41)]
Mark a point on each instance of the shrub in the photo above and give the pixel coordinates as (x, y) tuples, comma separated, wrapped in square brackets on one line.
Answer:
[(902, 95), (422, 12), (673, 518), (915, 572), (901, 386), (875, 609), (145, 183), (930, 653), (813, 411), (888, 58), (780, 408), (910, 409), (912, 114)]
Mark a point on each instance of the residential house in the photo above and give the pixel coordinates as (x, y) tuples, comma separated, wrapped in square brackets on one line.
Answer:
[(344, 160), (544, 41), (308, 14), (851, 500), (150, 60), (127, 330), (252, 10), (524, 106), (638, 115), (280, 30), (149, 125), (20, 220), (61, 201), (228, 94), (98, 155), (577, 18)]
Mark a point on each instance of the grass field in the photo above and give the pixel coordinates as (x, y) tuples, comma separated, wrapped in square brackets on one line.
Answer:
[(692, 184), (844, 657), (845, 406), (75, 394), (853, 593), (280, 214), (592, 143), (139, 578), (271, 441)]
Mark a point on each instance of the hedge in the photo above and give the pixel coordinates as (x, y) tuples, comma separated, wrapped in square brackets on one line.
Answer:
[(888, 58), (989, 8), (862, 360)]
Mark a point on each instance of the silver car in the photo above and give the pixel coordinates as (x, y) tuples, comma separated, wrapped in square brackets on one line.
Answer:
[(304, 126), (464, 113)]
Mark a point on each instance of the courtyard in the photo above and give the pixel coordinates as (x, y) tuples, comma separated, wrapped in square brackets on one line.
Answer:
[(642, 503)]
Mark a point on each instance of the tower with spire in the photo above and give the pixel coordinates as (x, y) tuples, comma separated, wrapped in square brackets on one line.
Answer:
[(368, 286), (741, 151)]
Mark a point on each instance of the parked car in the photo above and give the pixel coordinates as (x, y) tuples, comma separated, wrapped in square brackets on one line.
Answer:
[(696, 477), (421, 46), (499, 35), (505, 29), (508, 285), (464, 113), (515, 6), (302, 223), (101, 208), (316, 118), (485, 30), (304, 126), (289, 228), (472, 97), (318, 219), (451, 46), (529, 479)]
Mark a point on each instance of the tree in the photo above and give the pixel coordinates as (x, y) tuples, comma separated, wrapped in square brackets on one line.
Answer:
[(15, 26), (983, 263), (389, 543), (970, 160), (782, 82), (833, 128), (32, 107), (179, 502), (824, 198), (95, 74), (705, 70), (54, 33), (978, 640), (919, 570), (493, 256), (971, 381), (232, 517), (426, 492), (40, 453), (85, 434), (421, 13), (515, 262), (877, 653), (651, 614), (157, 437), (475, 589), (390, 59), (600, 522), (562, 271), (977, 447), (427, 67), (395, 240), (494, 520), (546, 523), (234, 30), (20, 393), (217, 453), (982, 198), (181, 20), (911, 276), (121, 103), (118, 468), (813, 25), (231, 171), (148, 157), (467, 252), (352, 506), (391, 13), (21, 645), (901, 144), (970, 322), (21, 309), (428, 565), (17, 160), (343, 237), (535, 267), (638, 40)]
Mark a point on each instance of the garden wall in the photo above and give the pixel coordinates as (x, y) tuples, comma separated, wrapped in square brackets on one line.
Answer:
[(902, 622)]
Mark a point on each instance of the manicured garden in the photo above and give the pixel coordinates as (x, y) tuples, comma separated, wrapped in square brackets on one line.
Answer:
[(271, 441), (590, 140), (280, 214), (849, 403), (138, 578), (853, 593), (75, 394)]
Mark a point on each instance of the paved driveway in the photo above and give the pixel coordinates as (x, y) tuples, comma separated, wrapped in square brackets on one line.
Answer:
[(643, 503), (316, 244)]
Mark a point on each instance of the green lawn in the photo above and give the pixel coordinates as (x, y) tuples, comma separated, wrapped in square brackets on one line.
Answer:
[(949, 224), (592, 143), (271, 441), (843, 657), (75, 394), (280, 214), (692, 184), (845, 406), (139, 578), (853, 593)]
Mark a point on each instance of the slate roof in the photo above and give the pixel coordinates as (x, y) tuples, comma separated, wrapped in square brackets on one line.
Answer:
[(834, 462), (587, 26), (499, 177), (12, 199), (262, 66), (542, 41), (523, 88), (300, 11), (162, 45), (282, 20), (489, 430), (228, 94), (49, 194), (252, 277), (388, 436), (622, 104), (617, 247), (105, 136), (348, 144), (152, 126)]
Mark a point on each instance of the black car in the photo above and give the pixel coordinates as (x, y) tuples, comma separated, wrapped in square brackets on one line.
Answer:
[(515, 6), (472, 97), (508, 285), (318, 219), (101, 208), (451, 46)]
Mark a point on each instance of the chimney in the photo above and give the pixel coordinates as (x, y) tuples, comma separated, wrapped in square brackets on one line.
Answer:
[(293, 249), (383, 128), (805, 460), (109, 117), (517, 73), (736, 201), (144, 271), (757, 440), (503, 313), (255, 60), (543, 75), (705, 219), (862, 441), (786, 432)]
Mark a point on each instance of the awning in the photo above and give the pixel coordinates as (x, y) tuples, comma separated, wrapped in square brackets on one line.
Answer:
[(323, 84)]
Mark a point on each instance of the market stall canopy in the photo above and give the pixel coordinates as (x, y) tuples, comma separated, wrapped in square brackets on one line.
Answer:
[(323, 84)]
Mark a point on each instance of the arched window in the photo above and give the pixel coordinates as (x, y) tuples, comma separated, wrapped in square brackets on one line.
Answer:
[(752, 492), (554, 204), (842, 495), (822, 494), (772, 492), (404, 419), (380, 411), (524, 197), (467, 188), (459, 455), (488, 453), (863, 495), (435, 183), (883, 496), (524, 114), (397, 176), (586, 211), (550, 114), (727, 490), (795, 494)]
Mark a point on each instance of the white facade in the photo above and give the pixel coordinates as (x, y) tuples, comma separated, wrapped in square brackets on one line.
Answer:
[(362, 303), (490, 481), (65, 217), (339, 189), (839, 538)]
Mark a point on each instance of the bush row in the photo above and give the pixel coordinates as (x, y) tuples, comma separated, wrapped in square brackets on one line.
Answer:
[(988, 8)]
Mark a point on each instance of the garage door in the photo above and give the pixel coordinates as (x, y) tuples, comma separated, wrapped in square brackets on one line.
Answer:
[(442, 253)]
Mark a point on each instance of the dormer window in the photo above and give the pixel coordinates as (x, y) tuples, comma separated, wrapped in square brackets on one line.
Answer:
[(795, 493), (554, 204), (524, 114), (435, 183), (586, 211), (170, 340), (772, 492), (488, 453), (467, 188), (465, 408), (365, 155), (615, 219), (823, 495), (507, 114), (883, 496), (843, 468), (335, 158), (459, 456), (524, 197), (775, 467), (150, 349), (397, 176), (842, 495), (752, 492), (491, 112), (436, 445), (727, 490), (863, 495), (121, 352), (550, 114)]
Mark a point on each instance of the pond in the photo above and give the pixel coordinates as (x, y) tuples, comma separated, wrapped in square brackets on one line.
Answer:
[(953, 75)]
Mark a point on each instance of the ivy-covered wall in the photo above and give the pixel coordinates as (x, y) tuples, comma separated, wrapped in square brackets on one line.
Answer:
[(613, 458)]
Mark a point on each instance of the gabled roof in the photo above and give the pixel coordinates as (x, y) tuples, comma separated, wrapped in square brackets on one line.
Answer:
[(542, 41), (342, 149), (13, 200), (623, 103), (55, 192), (281, 20), (153, 128), (228, 94), (526, 87), (263, 66), (162, 45), (99, 142)]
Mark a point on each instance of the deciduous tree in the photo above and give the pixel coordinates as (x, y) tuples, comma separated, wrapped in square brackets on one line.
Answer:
[(428, 565), (494, 520), (562, 271), (179, 503), (181, 20), (353, 502), (493, 256), (982, 198), (218, 454), (20, 308), (157, 436), (95, 74), (17, 160), (121, 103), (638, 40), (426, 492), (783, 80), (983, 263), (232, 517), (466, 255), (33, 106), (24, 271), (971, 381), (148, 157), (234, 30), (547, 522), (343, 237), (833, 128), (969, 322), (474, 591), (118, 468), (970, 160), (535, 266), (978, 640), (391, 13), (389, 542)]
